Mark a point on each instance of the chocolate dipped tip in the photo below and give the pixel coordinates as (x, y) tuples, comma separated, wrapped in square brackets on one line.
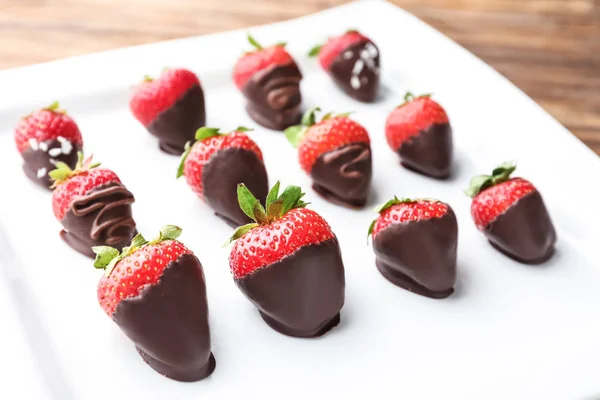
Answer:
[(356, 71), (429, 152), (168, 322), (41, 158), (177, 125), (220, 178), (420, 255), (274, 97), (343, 175), (524, 232), (302, 294)]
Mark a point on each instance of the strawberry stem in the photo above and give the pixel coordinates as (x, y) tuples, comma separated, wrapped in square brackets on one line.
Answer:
[(481, 182), (276, 206)]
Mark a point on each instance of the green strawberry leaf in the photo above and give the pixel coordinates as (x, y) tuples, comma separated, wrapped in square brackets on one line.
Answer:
[(206, 132), (371, 229), (273, 194), (290, 197), (481, 182), (344, 114), (309, 118), (275, 210), (241, 231), (247, 201), (254, 43), (184, 156), (260, 215), (315, 50), (295, 134), (327, 116), (243, 129), (104, 255), (170, 232), (280, 44)]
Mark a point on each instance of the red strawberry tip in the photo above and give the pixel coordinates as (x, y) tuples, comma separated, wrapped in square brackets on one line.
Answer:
[(203, 134), (276, 206), (107, 257), (296, 133), (390, 203), (481, 182), (63, 172)]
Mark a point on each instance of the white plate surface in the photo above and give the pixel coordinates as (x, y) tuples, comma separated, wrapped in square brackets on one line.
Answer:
[(510, 332)]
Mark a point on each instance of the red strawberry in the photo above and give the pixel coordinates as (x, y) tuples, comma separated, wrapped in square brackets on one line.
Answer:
[(415, 243), (171, 107), (217, 163), (336, 153), (156, 292), (512, 214), (270, 80), (45, 137), (288, 263), (93, 206), (352, 60), (419, 131)]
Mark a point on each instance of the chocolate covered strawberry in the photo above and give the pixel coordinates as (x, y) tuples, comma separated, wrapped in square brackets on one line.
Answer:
[(44, 138), (415, 243), (93, 206), (155, 292), (352, 60), (217, 163), (512, 214), (288, 264), (171, 107), (270, 80), (419, 131), (336, 153)]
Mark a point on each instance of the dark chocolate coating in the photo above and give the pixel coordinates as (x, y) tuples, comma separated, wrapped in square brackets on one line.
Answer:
[(38, 161), (168, 322), (429, 152), (274, 97), (524, 231), (356, 71), (302, 294), (420, 256), (100, 218), (177, 125), (221, 175), (343, 175)]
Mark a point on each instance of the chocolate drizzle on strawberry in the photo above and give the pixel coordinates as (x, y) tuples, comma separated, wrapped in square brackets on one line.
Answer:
[(341, 175), (101, 217)]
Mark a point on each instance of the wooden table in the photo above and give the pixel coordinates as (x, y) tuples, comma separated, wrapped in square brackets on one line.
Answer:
[(549, 48)]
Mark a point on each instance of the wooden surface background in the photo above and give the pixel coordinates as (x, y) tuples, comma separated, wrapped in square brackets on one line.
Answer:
[(549, 48)]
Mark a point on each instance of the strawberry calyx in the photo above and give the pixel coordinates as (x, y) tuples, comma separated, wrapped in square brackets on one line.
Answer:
[(107, 257), (63, 172), (410, 97), (295, 134), (201, 135), (276, 206), (481, 182), (258, 47), (390, 203)]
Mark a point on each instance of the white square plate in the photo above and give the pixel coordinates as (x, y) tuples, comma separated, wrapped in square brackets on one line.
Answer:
[(510, 331)]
